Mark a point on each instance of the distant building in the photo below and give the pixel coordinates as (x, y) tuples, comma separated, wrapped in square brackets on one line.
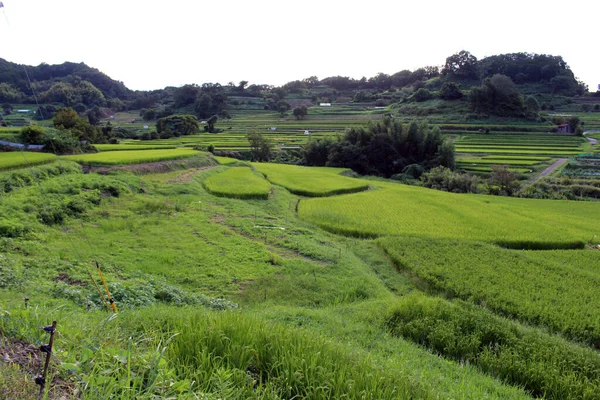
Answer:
[(23, 111), (564, 128), (22, 146), (307, 132), (274, 128), (325, 104)]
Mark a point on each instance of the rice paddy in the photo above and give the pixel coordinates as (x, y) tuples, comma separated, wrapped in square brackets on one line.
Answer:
[(310, 182), (414, 211), (21, 159), (125, 157), (238, 183)]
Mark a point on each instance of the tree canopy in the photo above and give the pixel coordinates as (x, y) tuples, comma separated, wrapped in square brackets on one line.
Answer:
[(384, 148)]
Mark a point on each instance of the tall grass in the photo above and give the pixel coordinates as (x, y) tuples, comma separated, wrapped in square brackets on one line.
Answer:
[(546, 366), (532, 289)]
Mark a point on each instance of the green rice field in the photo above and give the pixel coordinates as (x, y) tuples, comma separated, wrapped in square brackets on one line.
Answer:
[(413, 211), (311, 182), (121, 147), (534, 287), (238, 183), (131, 156), (21, 159)]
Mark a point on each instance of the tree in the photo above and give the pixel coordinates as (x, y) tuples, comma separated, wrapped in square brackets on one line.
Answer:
[(179, 125), (532, 104), (462, 65), (504, 179), (65, 118), (210, 124), (260, 147), (7, 108), (450, 91), (422, 95), (497, 95), (31, 135), (300, 112)]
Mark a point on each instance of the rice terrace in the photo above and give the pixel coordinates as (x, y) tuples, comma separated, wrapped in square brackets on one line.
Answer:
[(431, 234)]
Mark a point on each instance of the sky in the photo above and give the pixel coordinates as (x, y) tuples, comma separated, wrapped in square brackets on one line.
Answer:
[(152, 44)]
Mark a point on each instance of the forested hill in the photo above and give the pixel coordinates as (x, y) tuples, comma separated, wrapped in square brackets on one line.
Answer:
[(63, 83), (461, 76)]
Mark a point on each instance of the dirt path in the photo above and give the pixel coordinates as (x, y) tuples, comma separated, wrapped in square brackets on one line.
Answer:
[(548, 170), (593, 141), (188, 175)]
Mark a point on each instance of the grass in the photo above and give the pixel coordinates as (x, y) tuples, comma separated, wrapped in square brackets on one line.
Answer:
[(168, 257), (24, 159), (131, 157), (557, 296), (510, 352), (238, 183), (413, 211), (122, 147), (226, 160), (310, 182)]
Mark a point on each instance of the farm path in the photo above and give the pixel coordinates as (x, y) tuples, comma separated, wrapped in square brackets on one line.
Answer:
[(593, 141), (189, 174), (547, 171)]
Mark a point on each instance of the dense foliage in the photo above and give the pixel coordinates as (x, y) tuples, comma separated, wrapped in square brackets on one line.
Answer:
[(177, 125), (383, 148)]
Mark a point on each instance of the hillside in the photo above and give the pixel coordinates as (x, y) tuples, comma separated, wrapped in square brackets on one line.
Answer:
[(445, 89)]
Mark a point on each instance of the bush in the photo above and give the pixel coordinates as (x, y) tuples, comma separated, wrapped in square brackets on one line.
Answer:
[(442, 178), (422, 95)]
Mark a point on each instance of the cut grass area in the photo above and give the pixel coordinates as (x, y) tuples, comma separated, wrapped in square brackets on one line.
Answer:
[(121, 147), (131, 156), (413, 211), (238, 183), (310, 182), (22, 159), (511, 282)]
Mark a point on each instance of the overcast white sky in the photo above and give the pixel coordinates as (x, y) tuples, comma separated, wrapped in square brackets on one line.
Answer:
[(153, 44)]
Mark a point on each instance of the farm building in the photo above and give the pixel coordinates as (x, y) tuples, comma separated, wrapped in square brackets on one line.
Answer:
[(325, 104), (564, 128)]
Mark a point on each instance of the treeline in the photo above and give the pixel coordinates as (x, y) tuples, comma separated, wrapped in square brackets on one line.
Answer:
[(463, 66), (385, 148)]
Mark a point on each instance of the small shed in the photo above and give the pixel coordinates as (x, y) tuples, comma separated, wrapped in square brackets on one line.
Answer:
[(325, 104), (307, 132), (564, 128)]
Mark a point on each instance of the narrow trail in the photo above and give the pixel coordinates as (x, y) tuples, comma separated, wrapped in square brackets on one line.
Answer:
[(547, 171), (592, 141)]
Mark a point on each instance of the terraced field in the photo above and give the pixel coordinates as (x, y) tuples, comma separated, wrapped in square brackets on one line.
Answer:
[(558, 294), (311, 182), (238, 183), (414, 211), (18, 159), (125, 157)]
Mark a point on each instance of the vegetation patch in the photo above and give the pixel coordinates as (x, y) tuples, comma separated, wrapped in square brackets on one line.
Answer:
[(17, 159), (310, 182), (238, 183), (546, 366), (413, 211), (559, 296), (131, 157), (122, 147)]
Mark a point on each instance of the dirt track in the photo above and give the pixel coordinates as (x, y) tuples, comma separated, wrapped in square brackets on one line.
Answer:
[(548, 170)]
